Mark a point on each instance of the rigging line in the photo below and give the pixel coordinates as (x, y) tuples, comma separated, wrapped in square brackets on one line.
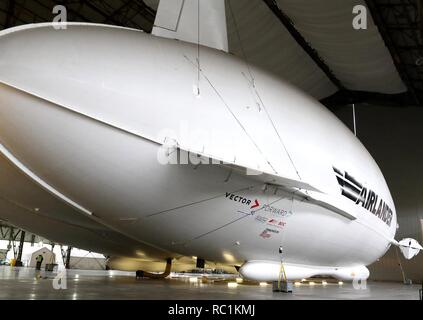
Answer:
[(244, 55), (200, 201), (253, 83), (279, 136), (231, 222), (221, 227), (400, 265), (235, 117), (354, 120)]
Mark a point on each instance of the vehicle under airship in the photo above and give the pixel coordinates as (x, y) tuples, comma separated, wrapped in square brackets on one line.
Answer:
[(150, 147)]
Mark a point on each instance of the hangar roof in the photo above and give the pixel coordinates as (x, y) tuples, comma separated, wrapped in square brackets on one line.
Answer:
[(310, 43)]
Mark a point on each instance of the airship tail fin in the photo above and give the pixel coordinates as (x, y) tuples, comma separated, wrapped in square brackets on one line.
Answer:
[(195, 21), (409, 248)]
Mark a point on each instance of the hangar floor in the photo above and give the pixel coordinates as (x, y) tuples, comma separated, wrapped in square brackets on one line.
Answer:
[(23, 283)]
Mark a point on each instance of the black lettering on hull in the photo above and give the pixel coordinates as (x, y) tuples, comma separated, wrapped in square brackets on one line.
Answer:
[(368, 199)]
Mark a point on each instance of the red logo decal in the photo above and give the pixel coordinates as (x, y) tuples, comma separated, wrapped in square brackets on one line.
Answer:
[(256, 204), (265, 234)]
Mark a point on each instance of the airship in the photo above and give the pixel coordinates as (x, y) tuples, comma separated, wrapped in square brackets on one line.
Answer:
[(155, 147)]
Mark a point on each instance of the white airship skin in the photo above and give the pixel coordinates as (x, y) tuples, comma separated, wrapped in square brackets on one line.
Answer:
[(84, 113)]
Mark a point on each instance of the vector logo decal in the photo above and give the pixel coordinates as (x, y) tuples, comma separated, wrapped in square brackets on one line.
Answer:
[(267, 233), (248, 202)]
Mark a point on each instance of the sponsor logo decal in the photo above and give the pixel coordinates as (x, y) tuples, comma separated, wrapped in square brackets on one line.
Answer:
[(360, 195), (276, 223), (256, 204), (271, 221), (261, 219), (248, 202), (267, 233), (276, 211)]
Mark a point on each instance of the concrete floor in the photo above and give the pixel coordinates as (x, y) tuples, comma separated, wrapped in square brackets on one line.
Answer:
[(26, 283)]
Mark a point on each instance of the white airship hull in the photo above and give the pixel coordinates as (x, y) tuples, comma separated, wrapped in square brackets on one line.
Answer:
[(87, 112)]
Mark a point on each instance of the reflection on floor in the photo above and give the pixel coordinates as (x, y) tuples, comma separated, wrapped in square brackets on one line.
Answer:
[(26, 283)]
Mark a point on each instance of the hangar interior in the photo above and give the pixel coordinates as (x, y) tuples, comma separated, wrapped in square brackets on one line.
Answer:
[(312, 44)]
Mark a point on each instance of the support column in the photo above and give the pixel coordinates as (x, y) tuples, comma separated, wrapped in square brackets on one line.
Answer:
[(201, 263), (68, 256), (10, 245), (20, 250)]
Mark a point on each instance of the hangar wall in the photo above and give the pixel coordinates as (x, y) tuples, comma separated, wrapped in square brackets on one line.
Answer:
[(394, 137)]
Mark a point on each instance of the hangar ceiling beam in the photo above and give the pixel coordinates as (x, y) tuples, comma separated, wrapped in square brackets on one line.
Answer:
[(10, 13), (117, 11), (343, 98), (420, 17), (313, 54), (386, 29), (16, 19), (96, 9), (112, 18), (13, 14), (130, 9)]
